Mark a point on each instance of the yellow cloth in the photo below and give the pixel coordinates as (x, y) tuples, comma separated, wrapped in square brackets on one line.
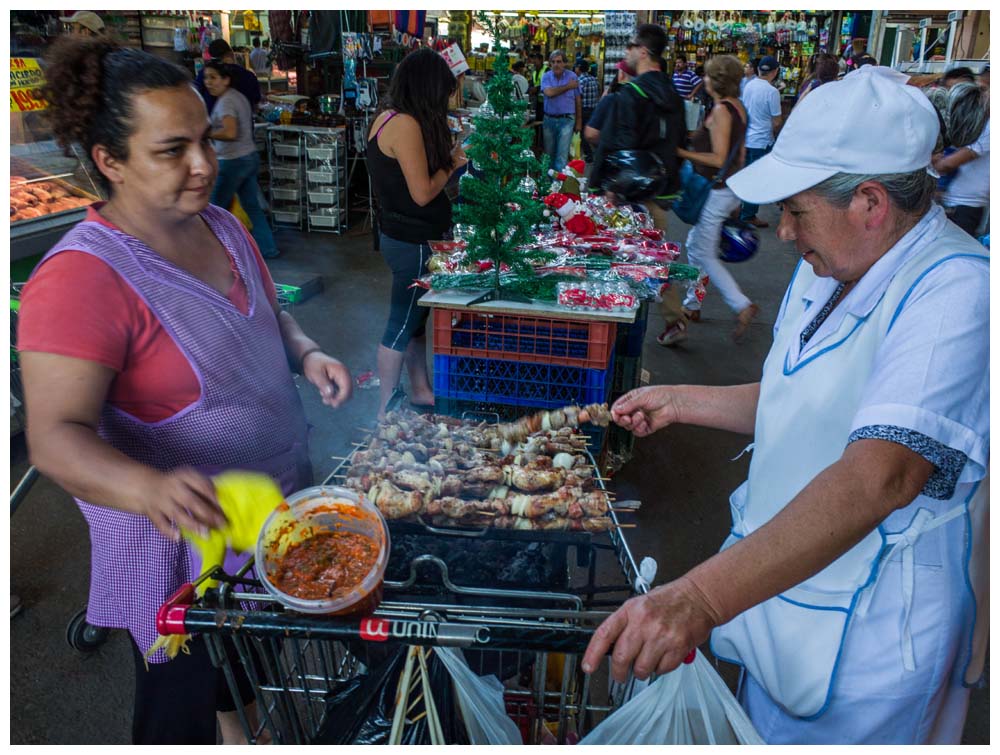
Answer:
[(247, 499), (237, 209)]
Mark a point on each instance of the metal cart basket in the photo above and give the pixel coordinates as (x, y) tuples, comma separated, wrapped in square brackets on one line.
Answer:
[(531, 639)]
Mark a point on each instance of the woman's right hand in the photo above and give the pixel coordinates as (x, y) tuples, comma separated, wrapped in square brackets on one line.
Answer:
[(646, 410), (183, 498)]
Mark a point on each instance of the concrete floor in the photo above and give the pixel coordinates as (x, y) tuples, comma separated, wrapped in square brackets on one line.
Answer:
[(683, 476)]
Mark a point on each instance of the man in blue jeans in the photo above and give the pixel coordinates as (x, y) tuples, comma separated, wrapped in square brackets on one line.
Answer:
[(763, 105), (563, 109)]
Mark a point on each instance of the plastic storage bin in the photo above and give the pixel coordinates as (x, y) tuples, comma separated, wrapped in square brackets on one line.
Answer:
[(522, 338)]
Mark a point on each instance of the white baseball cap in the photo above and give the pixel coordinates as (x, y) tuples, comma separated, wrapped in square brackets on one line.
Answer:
[(85, 18), (869, 122)]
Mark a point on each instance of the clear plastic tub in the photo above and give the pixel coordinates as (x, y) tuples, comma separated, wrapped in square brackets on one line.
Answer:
[(318, 509)]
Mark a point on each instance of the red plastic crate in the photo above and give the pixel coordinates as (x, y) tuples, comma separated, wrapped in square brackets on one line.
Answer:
[(520, 338)]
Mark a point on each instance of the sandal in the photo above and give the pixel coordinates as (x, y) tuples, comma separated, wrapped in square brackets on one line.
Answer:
[(743, 320), (673, 334)]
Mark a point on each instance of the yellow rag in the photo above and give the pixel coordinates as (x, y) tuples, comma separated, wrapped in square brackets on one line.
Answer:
[(247, 499)]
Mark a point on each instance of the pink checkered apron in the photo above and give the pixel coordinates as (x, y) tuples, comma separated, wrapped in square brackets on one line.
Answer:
[(249, 416)]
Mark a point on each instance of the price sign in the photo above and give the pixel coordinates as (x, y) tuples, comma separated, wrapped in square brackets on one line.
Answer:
[(26, 78)]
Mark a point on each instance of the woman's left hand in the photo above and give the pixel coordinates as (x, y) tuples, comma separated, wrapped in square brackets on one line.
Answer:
[(331, 378)]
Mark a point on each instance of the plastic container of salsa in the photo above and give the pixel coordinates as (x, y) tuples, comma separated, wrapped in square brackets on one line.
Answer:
[(333, 523)]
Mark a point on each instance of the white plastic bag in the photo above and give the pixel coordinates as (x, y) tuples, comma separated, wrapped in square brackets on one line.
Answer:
[(688, 706), (480, 698)]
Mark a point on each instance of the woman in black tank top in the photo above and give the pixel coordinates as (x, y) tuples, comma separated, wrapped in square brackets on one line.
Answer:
[(410, 159), (719, 145)]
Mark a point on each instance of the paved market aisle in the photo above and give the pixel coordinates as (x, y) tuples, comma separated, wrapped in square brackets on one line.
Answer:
[(683, 476)]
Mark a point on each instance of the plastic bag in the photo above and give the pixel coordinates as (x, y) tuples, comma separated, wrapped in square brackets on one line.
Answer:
[(688, 706), (480, 698)]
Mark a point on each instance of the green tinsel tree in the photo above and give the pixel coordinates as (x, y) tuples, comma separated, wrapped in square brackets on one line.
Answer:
[(497, 202)]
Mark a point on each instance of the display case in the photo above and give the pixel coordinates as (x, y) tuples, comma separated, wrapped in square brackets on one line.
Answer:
[(49, 191)]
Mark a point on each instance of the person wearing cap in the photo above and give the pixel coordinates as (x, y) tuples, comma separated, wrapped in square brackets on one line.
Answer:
[(243, 81), (849, 587), (763, 105), (85, 23)]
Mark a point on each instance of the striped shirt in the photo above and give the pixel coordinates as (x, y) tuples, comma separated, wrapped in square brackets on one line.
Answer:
[(685, 82)]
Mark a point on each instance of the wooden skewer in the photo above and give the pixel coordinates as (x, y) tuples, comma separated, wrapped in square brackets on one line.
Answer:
[(626, 526)]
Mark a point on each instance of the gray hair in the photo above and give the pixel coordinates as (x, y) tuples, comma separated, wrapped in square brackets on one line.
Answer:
[(968, 109), (912, 193), (557, 54)]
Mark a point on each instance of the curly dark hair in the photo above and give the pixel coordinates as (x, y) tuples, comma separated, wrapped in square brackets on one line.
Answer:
[(420, 87), (90, 83)]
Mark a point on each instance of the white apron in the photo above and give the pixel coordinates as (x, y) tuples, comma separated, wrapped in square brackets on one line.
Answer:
[(791, 645)]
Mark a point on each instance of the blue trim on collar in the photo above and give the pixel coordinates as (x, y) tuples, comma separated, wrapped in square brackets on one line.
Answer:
[(787, 370), (909, 291)]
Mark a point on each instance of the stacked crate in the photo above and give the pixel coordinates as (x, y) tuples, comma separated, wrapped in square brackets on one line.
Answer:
[(511, 365)]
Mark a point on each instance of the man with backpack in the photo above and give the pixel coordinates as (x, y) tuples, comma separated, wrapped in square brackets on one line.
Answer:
[(648, 114)]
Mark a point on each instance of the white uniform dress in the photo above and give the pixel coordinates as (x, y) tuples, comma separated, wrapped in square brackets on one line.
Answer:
[(877, 647)]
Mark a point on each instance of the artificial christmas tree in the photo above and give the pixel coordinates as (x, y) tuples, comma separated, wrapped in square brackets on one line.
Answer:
[(499, 196)]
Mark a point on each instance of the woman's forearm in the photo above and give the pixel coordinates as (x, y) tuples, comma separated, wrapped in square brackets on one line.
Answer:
[(710, 159), (727, 407), (296, 342)]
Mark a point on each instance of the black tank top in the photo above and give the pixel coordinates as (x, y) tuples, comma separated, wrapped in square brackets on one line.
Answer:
[(399, 216), (701, 141)]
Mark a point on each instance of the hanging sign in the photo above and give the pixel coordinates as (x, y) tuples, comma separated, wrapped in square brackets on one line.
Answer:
[(26, 78), (455, 59)]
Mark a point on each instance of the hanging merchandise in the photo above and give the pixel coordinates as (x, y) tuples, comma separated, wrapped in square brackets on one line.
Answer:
[(250, 21), (180, 39)]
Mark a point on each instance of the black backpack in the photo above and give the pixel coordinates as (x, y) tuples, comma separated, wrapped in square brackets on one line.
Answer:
[(661, 131)]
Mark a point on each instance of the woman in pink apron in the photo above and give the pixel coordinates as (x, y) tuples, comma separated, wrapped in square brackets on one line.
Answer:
[(154, 355)]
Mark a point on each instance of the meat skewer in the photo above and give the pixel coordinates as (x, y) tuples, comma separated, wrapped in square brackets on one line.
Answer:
[(569, 416)]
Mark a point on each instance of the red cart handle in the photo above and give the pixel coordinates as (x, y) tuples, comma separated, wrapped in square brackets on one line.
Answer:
[(170, 617), (691, 656)]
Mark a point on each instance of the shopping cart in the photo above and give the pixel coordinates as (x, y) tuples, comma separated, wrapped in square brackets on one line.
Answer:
[(531, 639)]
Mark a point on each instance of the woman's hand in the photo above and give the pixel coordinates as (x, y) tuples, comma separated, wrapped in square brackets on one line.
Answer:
[(646, 410), (331, 378), (183, 498), (653, 633), (458, 157)]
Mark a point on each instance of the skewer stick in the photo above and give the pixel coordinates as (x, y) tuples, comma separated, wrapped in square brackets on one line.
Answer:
[(395, 735), (625, 526)]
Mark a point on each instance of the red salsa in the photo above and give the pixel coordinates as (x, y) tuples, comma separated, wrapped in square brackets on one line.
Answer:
[(326, 565)]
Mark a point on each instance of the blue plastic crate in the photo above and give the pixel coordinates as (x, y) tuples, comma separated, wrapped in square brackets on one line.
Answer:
[(539, 386), (631, 337)]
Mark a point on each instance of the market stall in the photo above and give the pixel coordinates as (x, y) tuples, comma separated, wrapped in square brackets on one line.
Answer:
[(792, 37)]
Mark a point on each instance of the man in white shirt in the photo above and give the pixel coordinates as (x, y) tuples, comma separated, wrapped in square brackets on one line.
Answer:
[(258, 58), (763, 105), (968, 194), (520, 81)]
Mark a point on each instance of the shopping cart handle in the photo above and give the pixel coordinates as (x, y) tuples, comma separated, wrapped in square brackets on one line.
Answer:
[(170, 617), (691, 656)]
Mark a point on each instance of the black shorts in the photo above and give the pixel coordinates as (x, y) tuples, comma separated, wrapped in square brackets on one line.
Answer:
[(406, 318)]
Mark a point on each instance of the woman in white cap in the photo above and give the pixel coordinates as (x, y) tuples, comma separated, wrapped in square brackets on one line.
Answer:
[(848, 590)]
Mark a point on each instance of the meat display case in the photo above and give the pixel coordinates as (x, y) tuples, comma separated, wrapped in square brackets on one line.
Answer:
[(55, 188)]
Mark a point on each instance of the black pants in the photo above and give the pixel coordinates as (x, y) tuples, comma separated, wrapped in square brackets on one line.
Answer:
[(966, 218), (176, 701), (407, 320)]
